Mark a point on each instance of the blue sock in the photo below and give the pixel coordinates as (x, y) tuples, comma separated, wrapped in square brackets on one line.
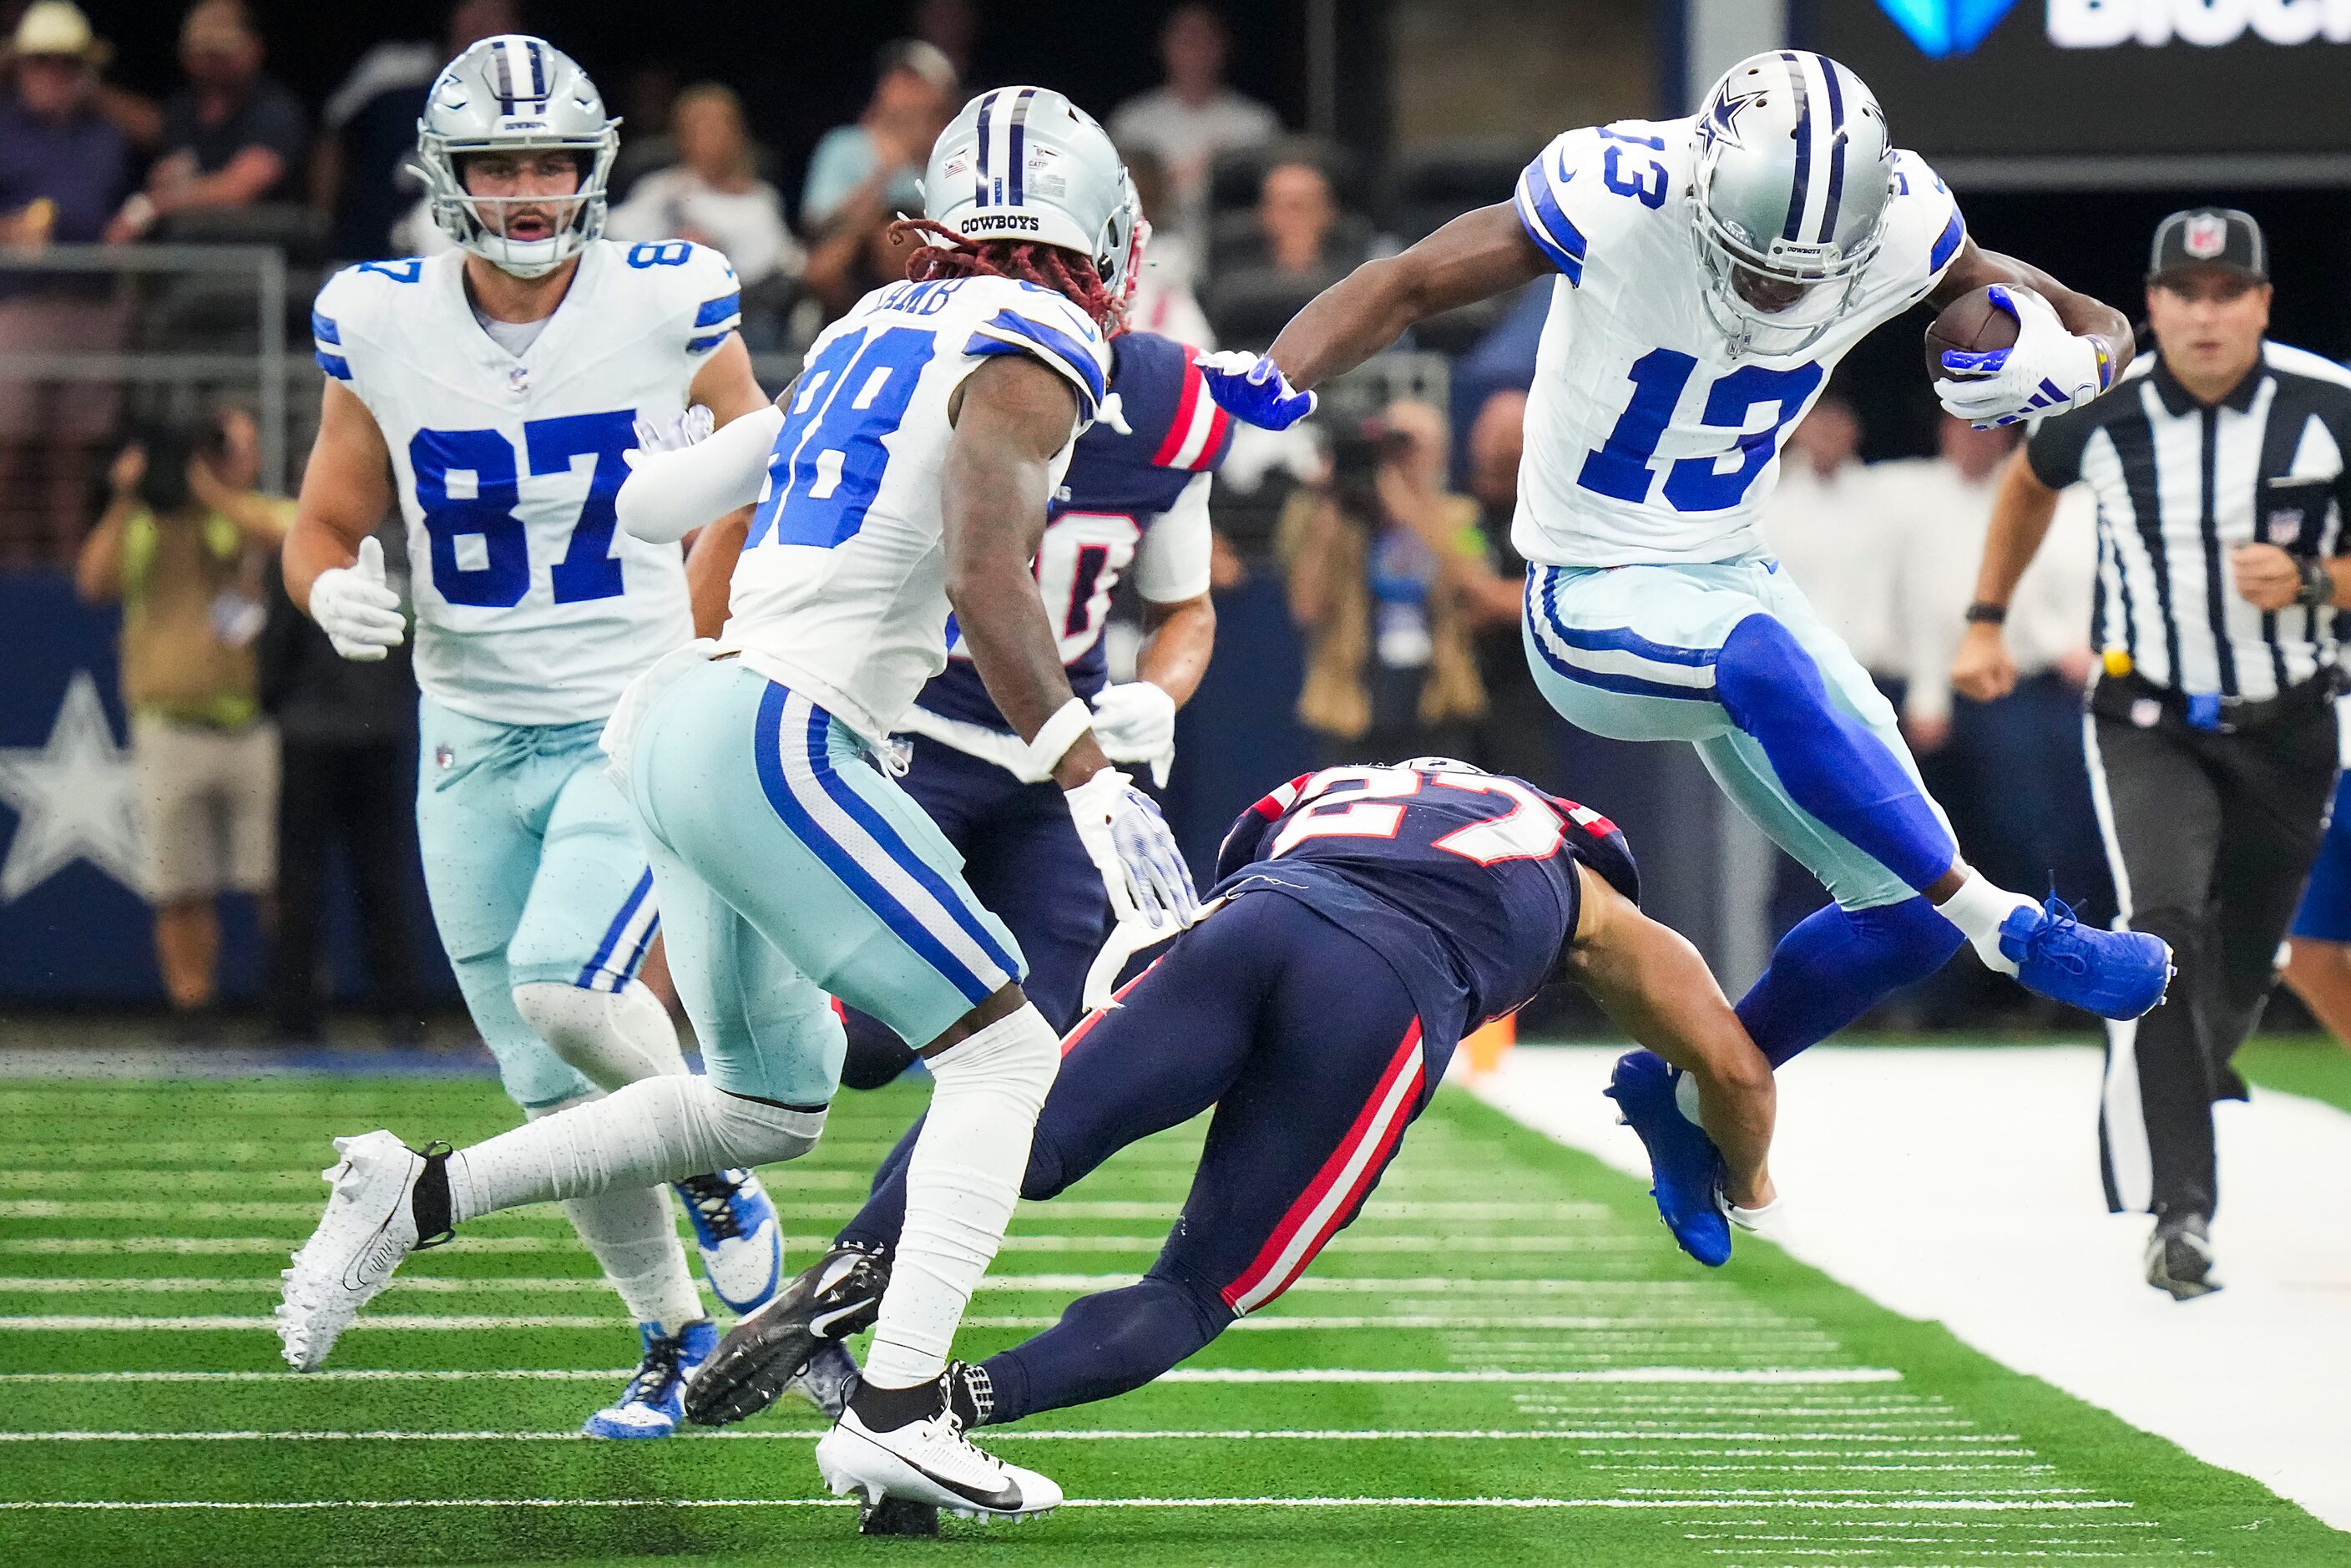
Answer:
[(1105, 1344), (1830, 765), (1837, 964)]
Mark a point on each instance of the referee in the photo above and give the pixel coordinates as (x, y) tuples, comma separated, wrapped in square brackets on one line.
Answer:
[(2218, 465)]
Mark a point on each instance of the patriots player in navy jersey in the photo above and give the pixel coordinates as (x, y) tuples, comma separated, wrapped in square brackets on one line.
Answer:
[(1365, 919), (1135, 499)]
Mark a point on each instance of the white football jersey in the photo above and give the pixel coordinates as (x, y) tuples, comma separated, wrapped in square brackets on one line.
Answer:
[(1648, 437), (840, 592), (531, 606)]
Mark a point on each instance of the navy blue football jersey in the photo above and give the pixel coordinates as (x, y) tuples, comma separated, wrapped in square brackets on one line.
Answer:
[(1464, 882), (1119, 483)]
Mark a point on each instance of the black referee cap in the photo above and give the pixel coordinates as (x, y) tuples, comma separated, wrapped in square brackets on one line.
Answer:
[(2219, 237)]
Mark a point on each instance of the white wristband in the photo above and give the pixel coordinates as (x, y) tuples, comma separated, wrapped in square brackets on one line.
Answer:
[(1054, 738)]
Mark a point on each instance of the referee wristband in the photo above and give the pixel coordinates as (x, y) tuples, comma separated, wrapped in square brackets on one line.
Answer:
[(1981, 613), (2317, 586)]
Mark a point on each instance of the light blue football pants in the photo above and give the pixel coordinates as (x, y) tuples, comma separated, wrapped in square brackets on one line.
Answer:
[(791, 869), (1634, 652), (535, 871)]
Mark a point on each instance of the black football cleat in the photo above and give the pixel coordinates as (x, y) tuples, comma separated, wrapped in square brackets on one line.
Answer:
[(2179, 1257), (838, 1296)]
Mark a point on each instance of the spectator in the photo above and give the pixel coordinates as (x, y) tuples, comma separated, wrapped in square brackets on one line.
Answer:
[(1163, 301), (649, 99), (712, 196), (1296, 213), (861, 176), (1268, 265), (63, 168), (233, 137), (879, 160), (347, 745), (358, 172), (2018, 825), (949, 27), (189, 578), (1193, 117), (1389, 669)]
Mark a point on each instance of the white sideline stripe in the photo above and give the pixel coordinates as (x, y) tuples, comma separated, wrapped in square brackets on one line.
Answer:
[(1871, 1503), (809, 1434), (296, 1180), (1645, 1376), (62, 1322), (2255, 1379)]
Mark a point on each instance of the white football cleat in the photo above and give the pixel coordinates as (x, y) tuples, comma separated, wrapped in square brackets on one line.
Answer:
[(367, 1228), (928, 1461)]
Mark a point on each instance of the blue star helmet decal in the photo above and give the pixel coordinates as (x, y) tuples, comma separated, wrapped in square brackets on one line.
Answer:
[(1720, 121), (1944, 27)]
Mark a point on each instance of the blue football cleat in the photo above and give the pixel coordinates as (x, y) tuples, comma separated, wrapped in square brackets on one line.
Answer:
[(1684, 1169), (653, 1402), (741, 1241), (2114, 974)]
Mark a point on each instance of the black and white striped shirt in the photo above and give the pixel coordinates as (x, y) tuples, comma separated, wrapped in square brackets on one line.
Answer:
[(2179, 485)]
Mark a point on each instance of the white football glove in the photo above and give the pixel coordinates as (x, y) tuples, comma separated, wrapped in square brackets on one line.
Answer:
[(1134, 721), (2048, 370), (1130, 844), (673, 434), (352, 605)]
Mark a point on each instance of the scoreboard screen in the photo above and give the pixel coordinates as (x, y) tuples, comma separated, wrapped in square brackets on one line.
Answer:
[(2132, 79)]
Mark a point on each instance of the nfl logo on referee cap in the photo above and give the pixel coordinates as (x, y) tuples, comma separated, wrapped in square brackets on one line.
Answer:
[(2207, 236)]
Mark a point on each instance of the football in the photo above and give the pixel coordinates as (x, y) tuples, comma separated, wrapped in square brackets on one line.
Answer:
[(1971, 324)]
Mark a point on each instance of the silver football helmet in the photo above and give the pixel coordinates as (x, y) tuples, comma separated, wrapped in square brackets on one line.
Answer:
[(515, 94), (1024, 163), (1788, 194)]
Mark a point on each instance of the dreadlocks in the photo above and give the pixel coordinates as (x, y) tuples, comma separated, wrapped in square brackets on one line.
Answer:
[(1047, 265)]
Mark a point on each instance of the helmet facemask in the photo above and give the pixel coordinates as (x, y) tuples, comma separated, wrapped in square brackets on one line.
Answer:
[(477, 223)]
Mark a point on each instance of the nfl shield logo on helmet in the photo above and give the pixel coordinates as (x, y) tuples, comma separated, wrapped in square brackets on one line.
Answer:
[(2207, 236)]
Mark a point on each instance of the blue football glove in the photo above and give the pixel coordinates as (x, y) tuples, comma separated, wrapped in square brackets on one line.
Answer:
[(1253, 389), (2048, 370)]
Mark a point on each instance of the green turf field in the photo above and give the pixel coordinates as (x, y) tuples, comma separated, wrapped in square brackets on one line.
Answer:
[(1503, 1362)]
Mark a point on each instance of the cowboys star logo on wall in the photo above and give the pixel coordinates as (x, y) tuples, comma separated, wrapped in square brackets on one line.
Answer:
[(75, 798), (2207, 237)]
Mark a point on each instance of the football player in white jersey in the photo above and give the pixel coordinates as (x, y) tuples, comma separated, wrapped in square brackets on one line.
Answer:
[(499, 385), (1708, 275), (900, 484)]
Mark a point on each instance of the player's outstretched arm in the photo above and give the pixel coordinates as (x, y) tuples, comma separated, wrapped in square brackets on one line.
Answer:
[(1476, 256), (1649, 979)]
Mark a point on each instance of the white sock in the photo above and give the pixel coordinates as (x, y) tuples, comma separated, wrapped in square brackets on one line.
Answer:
[(1976, 909), (961, 1184), (613, 1038), (634, 1236), (653, 1132)]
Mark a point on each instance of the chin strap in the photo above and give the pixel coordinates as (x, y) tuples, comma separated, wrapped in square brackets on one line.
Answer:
[(1054, 738)]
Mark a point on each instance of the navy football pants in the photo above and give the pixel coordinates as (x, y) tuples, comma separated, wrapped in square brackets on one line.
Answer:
[(1309, 1049), (1022, 858)]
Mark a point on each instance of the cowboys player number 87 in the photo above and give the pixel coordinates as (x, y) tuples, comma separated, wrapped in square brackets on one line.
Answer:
[(498, 384)]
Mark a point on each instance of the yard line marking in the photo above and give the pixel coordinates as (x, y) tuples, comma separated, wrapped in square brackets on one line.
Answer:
[(20, 1180), (60, 1322), (1062, 1434), (1213, 1374), (1970, 1505), (1345, 1242)]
